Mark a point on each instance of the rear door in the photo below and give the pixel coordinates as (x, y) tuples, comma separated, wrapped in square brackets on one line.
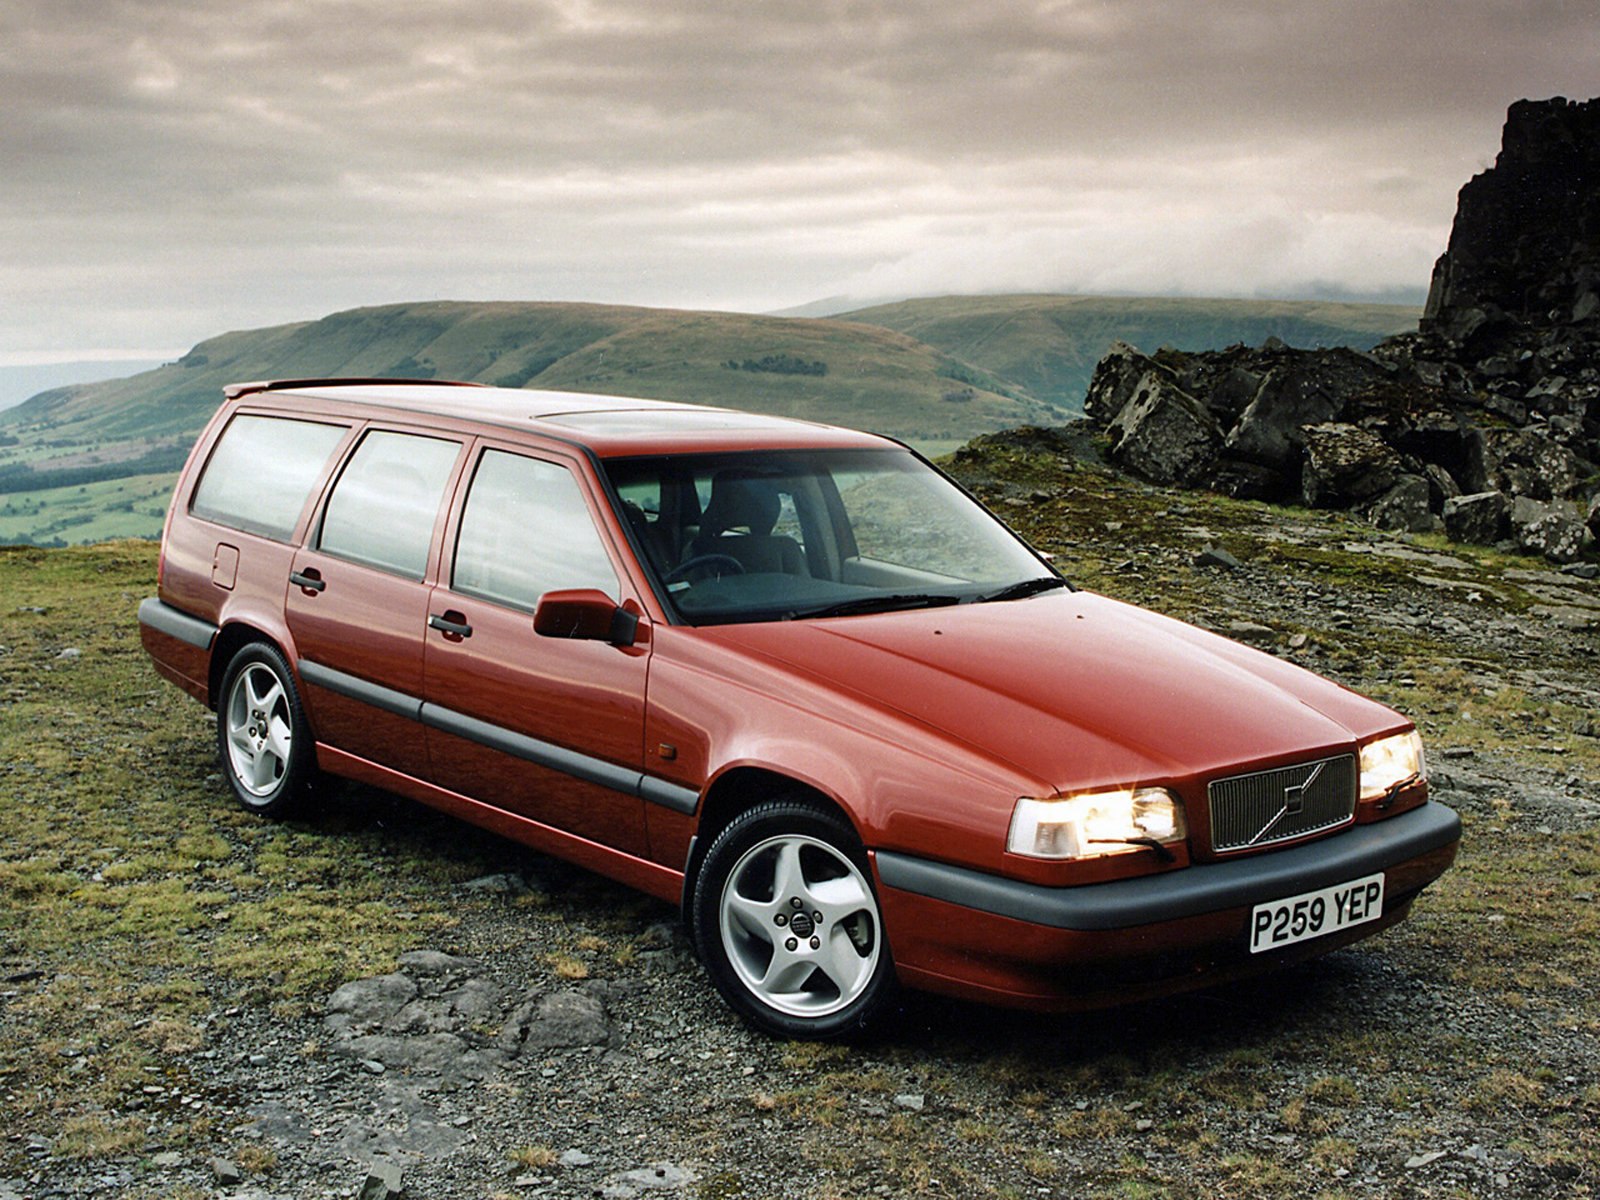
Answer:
[(357, 602), (549, 728)]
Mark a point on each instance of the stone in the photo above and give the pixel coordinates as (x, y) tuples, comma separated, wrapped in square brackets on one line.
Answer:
[(226, 1172), (1250, 631), (1345, 464), (1162, 433), (1216, 556), (572, 1159), (476, 1001), (559, 1020), (658, 1177), (1115, 377), (446, 1055), (911, 1101), (1405, 507), (1480, 519), (364, 1004), (1307, 388), (496, 885), (1556, 536), (1421, 1160), (1441, 485), (422, 963), (1593, 518), (1522, 231), (383, 1182)]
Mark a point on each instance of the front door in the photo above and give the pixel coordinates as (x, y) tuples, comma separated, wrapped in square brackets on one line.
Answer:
[(549, 728)]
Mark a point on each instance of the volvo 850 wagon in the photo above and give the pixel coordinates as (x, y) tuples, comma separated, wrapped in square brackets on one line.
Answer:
[(788, 676)]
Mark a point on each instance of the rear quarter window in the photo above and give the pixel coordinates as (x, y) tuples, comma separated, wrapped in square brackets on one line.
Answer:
[(261, 473)]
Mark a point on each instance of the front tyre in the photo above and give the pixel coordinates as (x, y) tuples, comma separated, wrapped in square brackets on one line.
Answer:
[(263, 740), (787, 924)]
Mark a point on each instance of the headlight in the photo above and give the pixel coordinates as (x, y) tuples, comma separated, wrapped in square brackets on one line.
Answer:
[(1389, 762), (1095, 823)]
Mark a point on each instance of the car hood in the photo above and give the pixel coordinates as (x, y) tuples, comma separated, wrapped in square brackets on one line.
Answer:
[(1076, 690)]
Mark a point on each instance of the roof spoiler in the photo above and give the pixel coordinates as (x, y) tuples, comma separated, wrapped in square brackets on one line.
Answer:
[(234, 390)]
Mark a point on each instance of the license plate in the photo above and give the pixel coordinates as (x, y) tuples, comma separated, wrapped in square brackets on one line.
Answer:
[(1315, 914)]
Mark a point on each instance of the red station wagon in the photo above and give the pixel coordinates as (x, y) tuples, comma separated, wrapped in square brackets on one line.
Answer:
[(789, 676)]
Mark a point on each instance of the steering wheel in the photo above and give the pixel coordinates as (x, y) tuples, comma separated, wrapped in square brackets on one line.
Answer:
[(706, 560)]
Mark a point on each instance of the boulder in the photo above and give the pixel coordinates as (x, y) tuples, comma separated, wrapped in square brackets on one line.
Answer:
[(1593, 521), (1307, 388), (1114, 380), (1404, 506), (1530, 462), (1482, 518), (1441, 486), (1555, 535), (1162, 433), (1345, 465)]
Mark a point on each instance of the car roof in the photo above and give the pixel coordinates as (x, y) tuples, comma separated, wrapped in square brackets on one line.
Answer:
[(610, 426)]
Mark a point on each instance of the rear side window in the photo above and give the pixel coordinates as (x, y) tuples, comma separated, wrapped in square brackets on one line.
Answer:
[(262, 472), (382, 508), (526, 531)]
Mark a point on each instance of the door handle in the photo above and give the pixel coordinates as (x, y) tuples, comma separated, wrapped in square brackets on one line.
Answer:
[(310, 580), (451, 624)]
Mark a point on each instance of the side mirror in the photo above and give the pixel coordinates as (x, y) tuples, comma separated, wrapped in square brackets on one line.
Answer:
[(586, 614)]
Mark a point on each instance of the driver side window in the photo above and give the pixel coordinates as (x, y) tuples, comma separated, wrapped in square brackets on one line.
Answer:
[(526, 531)]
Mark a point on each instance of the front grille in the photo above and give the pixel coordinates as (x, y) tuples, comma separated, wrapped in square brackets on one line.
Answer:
[(1275, 806)]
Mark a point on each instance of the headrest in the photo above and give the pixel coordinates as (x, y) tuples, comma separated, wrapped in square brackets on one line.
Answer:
[(740, 501)]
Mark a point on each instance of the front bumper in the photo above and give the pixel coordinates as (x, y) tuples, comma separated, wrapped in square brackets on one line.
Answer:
[(1004, 941)]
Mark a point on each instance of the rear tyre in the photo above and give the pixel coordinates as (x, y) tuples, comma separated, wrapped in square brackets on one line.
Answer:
[(787, 923), (263, 740)]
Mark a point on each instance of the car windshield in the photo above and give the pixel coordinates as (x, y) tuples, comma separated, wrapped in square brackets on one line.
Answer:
[(797, 534)]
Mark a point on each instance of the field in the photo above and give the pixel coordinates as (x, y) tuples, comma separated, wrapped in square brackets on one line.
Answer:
[(168, 960), (132, 507)]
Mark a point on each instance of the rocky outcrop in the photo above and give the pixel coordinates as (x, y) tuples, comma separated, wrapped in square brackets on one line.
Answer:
[(1493, 404)]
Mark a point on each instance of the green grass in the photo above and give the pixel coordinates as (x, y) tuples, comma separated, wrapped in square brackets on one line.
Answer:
[(138, 894), (95, 512)]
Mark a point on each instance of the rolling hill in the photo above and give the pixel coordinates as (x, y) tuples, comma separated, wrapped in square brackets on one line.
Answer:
[(88, 461), (1049, 345)]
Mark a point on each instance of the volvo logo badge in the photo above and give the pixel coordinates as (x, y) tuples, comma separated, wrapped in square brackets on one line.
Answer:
[(1294, 802), (1294, 797)]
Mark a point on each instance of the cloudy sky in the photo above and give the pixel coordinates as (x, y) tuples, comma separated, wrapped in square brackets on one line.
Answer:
[(170, 169)]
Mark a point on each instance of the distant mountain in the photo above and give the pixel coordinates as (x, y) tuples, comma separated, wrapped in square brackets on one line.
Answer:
[(1049, 345), (96, 459)]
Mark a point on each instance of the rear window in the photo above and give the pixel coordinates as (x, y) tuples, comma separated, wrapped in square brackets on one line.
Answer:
[(262, 471), (382, 509)]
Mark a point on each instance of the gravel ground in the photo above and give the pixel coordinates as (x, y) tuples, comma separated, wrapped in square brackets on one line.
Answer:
[(560, 1040)]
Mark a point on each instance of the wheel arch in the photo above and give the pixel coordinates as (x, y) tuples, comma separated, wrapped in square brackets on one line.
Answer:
[(233, 637), (735, 791)]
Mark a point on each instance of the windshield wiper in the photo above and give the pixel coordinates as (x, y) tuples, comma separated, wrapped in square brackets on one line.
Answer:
[(1023, 588), (871, 604)]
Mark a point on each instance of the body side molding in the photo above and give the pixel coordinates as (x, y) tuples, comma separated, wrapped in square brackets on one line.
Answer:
[(627, 780)]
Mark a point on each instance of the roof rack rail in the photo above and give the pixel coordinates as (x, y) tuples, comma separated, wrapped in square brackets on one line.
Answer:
[(234, 390)]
